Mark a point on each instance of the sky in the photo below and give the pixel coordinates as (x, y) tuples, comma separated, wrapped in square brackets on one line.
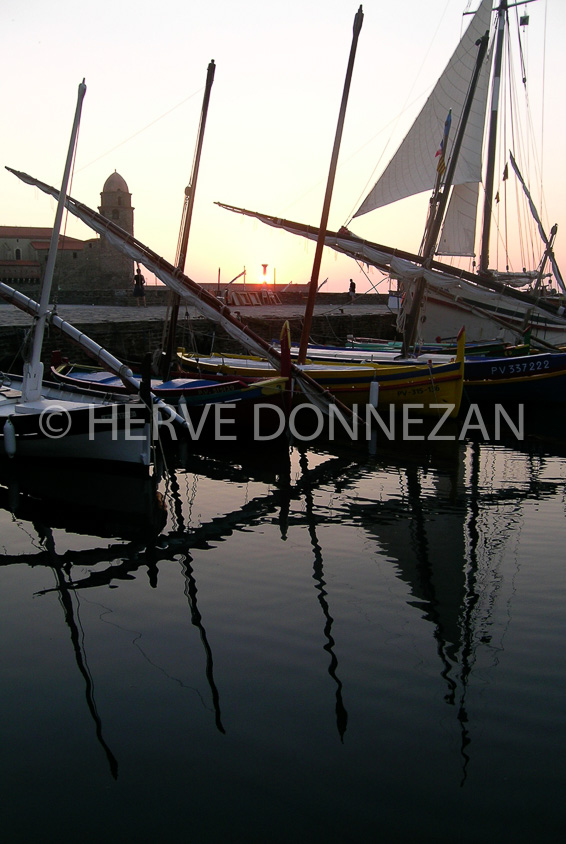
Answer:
[(274, 105)]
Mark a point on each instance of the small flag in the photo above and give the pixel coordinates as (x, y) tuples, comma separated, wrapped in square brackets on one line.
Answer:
[(441, 166)]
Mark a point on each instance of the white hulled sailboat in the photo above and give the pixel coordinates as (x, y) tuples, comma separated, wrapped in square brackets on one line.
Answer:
[(439, 298)]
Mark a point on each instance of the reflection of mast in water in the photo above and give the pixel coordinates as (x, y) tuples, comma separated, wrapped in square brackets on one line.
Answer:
[(472, 600), (64, 595), (449, 558), (318, 577), (284, 482), (448, 645), (475, 623), (180, 541), (429, 555), (191, 595), (196, 619)]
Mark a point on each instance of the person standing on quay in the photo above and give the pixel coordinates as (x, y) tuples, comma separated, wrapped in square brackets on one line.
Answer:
[(139, 287), (352, 290)]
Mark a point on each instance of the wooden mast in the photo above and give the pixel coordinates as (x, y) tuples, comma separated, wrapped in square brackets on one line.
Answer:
[(190, 190), (33, 369), (492, 140), (358, 20), (433, 233)]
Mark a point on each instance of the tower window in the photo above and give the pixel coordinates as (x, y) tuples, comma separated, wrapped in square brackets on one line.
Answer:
[(18, 254), (115, 214)]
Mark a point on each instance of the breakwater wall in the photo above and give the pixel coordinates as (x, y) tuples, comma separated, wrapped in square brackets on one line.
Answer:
[(130, 339)]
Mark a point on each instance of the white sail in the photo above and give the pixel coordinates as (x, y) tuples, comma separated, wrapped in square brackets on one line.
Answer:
[(458, 234), (412, 169)]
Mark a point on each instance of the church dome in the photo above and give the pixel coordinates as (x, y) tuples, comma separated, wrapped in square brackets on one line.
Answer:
[(115, 182)]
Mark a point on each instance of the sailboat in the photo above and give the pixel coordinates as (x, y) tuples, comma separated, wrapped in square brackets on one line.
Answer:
[(353, 385), (437, 299), (45, 421)]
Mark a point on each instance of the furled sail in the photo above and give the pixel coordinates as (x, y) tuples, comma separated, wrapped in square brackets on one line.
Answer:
[(399, 263), (412, 169)]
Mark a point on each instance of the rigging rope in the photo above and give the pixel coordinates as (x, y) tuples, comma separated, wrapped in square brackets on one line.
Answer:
[(140, 131)]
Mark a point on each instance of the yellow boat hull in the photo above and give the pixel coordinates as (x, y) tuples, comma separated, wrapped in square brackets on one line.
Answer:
[(426, 386)]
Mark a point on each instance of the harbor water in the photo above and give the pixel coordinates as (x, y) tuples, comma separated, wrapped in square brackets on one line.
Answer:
[(305, 643)]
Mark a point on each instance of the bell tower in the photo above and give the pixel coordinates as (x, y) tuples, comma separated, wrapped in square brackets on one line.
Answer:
[(116, 202), (116, 269)]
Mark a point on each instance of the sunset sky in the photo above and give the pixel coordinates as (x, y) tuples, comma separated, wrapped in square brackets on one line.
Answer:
[(273, 112)]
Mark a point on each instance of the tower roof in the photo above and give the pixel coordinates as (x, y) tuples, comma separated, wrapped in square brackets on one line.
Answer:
[(115, 182)]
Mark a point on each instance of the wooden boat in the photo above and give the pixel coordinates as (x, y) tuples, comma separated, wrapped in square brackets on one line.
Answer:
[(39, 420), (193, 392), (72, 424), (428, 385), (424, 385), (526, 378), (438, 298), (204, 404), (392, 355), (205, 303), (531, 380), (209, 306), (491, 348)]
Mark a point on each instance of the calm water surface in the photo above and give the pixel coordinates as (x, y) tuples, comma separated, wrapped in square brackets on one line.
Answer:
[(313, 645)]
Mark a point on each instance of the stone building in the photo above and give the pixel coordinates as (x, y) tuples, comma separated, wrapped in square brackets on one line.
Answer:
[(90, 271)]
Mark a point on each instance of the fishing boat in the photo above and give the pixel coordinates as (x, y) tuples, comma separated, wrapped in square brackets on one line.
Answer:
[(515, 376), (426, 384), (203, 301), (72, 424), (430, 387), (247, 380), (530, 380), (192, 392), (38, 419), (488, 347), (437, 299), (202, 402)]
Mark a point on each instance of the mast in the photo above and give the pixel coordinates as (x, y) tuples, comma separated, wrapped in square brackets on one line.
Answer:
[(206, 303), (190, 190), (429, 246), (98, 353), (433, 233), (492, 138), (440, 171), (358, 20), (33, 369)]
